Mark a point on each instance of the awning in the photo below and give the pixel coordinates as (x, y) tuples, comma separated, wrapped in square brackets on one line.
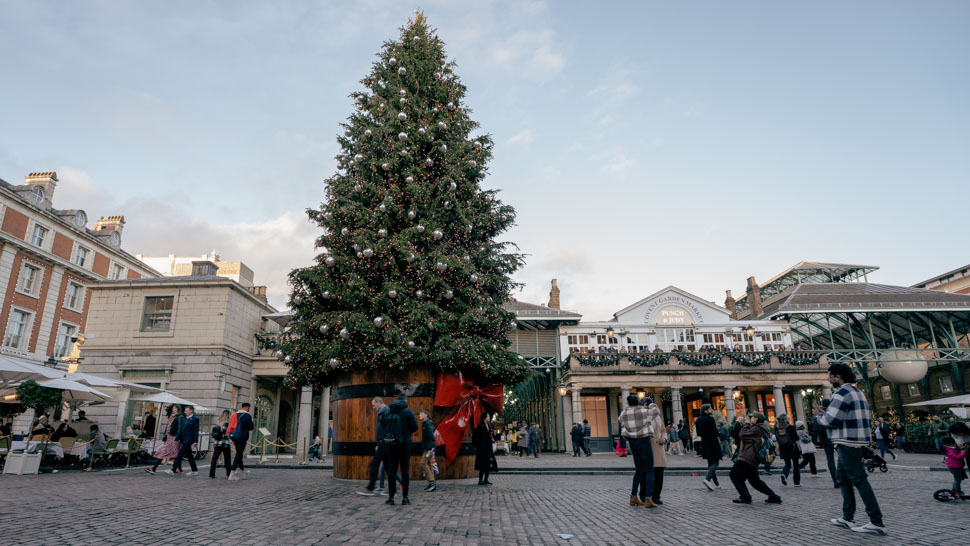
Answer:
[(950, 401)]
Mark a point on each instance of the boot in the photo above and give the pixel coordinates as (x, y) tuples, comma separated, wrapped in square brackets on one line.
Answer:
[(648, 502), (636, 502)]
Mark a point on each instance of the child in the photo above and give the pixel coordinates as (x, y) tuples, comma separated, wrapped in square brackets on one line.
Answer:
[(314, 451), (954, 461)]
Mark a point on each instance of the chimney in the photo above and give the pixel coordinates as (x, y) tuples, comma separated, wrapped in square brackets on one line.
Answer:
[(204, 268), (259, 292), (754, 299), (731, 305), (47, 180), (110, 223), (554, 296)]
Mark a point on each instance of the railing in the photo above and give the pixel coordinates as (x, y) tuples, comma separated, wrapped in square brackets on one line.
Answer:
[(899, 355), (266, 342), (737, 362)]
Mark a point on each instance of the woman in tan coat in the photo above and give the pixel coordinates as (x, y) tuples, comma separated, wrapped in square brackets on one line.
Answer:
[(659, 444)]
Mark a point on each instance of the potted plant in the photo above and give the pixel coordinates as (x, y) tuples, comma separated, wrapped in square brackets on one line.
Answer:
[(38, 398)]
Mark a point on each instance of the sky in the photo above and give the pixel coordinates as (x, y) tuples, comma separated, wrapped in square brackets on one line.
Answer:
[(643, 144)]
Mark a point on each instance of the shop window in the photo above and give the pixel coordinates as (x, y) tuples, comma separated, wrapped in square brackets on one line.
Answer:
[(594, 411)]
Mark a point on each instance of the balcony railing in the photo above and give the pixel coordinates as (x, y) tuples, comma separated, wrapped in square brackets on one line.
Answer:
[(680, 362)]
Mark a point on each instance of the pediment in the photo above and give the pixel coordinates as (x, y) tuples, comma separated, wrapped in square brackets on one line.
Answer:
[(672, 307)]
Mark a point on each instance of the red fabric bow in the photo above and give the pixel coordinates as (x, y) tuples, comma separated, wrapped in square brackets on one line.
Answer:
[(470, 401)]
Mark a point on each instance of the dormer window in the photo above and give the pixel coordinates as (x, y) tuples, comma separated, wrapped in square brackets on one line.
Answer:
[(115, 238), (80, 219), (38, 194)]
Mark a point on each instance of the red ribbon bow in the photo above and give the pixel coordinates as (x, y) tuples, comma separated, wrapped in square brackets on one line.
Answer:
[(470, 401)]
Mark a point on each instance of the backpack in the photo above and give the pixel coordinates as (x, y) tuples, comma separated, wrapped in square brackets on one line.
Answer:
[(764, 455), (391, 422), (783, 439)]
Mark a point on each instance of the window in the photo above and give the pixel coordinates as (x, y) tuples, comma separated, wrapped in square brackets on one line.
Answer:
[(578, 343), (80, 218), (946, 385), (913, 389), (73, 297), (17, 330), (64, 335), (887, 392), (116, 272), (594, 411), (38, 194), (675, 339), (30, 280), (158, 314), (38, 236), (81, 256)]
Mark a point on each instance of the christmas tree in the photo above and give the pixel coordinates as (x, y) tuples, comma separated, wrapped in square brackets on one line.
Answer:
[(410, 272)]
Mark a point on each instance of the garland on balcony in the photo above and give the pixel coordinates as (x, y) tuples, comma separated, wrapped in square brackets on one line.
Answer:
[(742, 360), (698, 361), (793, 360), (650, 360), (265, 342)]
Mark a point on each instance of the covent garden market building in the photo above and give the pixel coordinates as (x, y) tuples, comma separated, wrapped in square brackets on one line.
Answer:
[(767, 351)]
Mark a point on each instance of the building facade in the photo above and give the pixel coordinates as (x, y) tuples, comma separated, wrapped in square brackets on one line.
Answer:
[(180, 266), (48, 259)]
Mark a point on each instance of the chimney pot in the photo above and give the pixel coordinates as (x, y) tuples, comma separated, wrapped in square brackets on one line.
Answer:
[(554, 296), (755, 307)]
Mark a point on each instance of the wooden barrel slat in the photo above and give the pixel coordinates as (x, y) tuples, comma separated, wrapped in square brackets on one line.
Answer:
[(355, 420)]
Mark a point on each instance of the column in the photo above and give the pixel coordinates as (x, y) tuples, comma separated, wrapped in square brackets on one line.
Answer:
[(676, 406), (612, 409), (624, 392), (304, 421), (729, 404), (324, 426), (566, 417), (780, 401), (577, 408), (796, 396), (826, 391)]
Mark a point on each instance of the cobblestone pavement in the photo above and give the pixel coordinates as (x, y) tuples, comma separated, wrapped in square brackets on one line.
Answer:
[(279, 506)]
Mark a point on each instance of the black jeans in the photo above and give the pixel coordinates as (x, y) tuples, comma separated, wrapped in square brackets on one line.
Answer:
[(375, 465), (226, 453), (658, 482), (237, 462), (742, 472), (829, 450), (808, 459), (853, 474), (576, 447), (642, 452), (184, 452), (586, 445), (398, 456), (791, 463)]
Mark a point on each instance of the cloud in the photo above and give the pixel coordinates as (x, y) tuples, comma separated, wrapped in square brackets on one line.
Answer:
[(533, 52), (523, 137), (614, 161)]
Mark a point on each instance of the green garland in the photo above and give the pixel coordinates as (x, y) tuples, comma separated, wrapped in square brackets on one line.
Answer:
[(651, 360)]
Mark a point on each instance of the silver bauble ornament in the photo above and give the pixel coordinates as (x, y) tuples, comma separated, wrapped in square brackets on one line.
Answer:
[(378, 321), (419, 293), (326, 294), (473, 277), (334, 362), (344, 334), (428, 162), (297, 300), (481, 175), (441, 266), (467, 258), (402, 116), (402, 92), (403, 100), (449, 294), (279, 355), (385, 166), (437, 234), (402, 136), (451, 106), (472, 163), (330, 260), (356, 247), (324, 328), (434, 110), (513, 324), (392, 61), (411, 344), (402, 71), (409, 180), (360, 255), (411, 215), (359, 157), (358, 188), (468, 228), (344, 231), (368, 253), (447, 204), (403, 152), (477, 145), (382, 232), (368, 133), (452, 186), (443, 148), (382, 207), (442, 125), (421, 131), (347, 132), (392, 293), (494, 347), (410, 258), (287, 359), (420, 228)]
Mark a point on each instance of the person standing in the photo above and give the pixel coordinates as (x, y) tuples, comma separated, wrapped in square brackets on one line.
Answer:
[(380, 450), (900, 431), (806, 447), (188, 436), (240, 424), (940, 431), (533, 440), (745, 469), (636, 424), (827, 447), (482, 440), (881, 431), (148, 431), (537, 442), (684, 434), (725, 434), (523, 440), (847, 420), (576, 433), (673, 440), (955, 457), (587, 435), (659, 444), (427, 449), (399, 423), (787, 440), (221, 446), (710, 445)]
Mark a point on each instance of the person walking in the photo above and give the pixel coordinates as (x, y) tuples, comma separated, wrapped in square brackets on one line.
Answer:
[(940, 431), (399, 425), (533, 440), (576, 433), (482, 440), (725, 434), (380, 450), (899, 430), (240, 424), (659, 443), (787, 440), (710, 445), (847, 421), (170, 444), (523, 440), (536, 443), (673, 440), (827, 447), (427, 450), (683, 433), (881, 432), (806, 447), (587, 434), (188, 436), (220, 446), (636, 424), (752, 436)]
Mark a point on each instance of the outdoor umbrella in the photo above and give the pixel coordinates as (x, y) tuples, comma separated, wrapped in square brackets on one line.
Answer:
[(13, 371), (950, 401), (97, 381), (73, 391), (165, 397)]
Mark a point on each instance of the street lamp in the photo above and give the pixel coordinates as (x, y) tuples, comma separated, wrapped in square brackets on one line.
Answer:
[(749, 330), (610, 332), (563, 389)]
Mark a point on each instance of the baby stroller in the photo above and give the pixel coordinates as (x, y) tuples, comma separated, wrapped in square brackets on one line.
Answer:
[(873, 461)]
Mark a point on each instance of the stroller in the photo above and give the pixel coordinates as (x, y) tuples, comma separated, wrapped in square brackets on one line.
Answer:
[(873, 461)]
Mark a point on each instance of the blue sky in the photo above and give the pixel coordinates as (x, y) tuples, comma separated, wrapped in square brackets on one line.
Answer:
[(642, 143)]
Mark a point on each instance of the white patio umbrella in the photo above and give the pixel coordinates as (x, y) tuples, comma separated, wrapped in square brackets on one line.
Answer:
[(165, 397), (949, 401), (73, 391), (98, 381), (13, 371)]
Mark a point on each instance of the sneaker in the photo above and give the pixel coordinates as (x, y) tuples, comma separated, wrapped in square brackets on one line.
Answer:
[(717, 486), (233, 476), (841, 522), (773, 500), (366, 492), (390, 500), (739, 500), (709, 485), (870, 528), (430, 488), (405, 501), (784, 480), (170, 472), (193, 473), (798, 485), (149, 470)]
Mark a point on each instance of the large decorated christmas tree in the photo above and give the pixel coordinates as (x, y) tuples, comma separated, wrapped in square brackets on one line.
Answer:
[(410, 273)]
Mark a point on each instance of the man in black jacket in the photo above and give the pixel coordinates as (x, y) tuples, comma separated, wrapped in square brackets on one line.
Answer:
[(380, 450), (710, 445), (240, 424), (398, 425), (427, 449)]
